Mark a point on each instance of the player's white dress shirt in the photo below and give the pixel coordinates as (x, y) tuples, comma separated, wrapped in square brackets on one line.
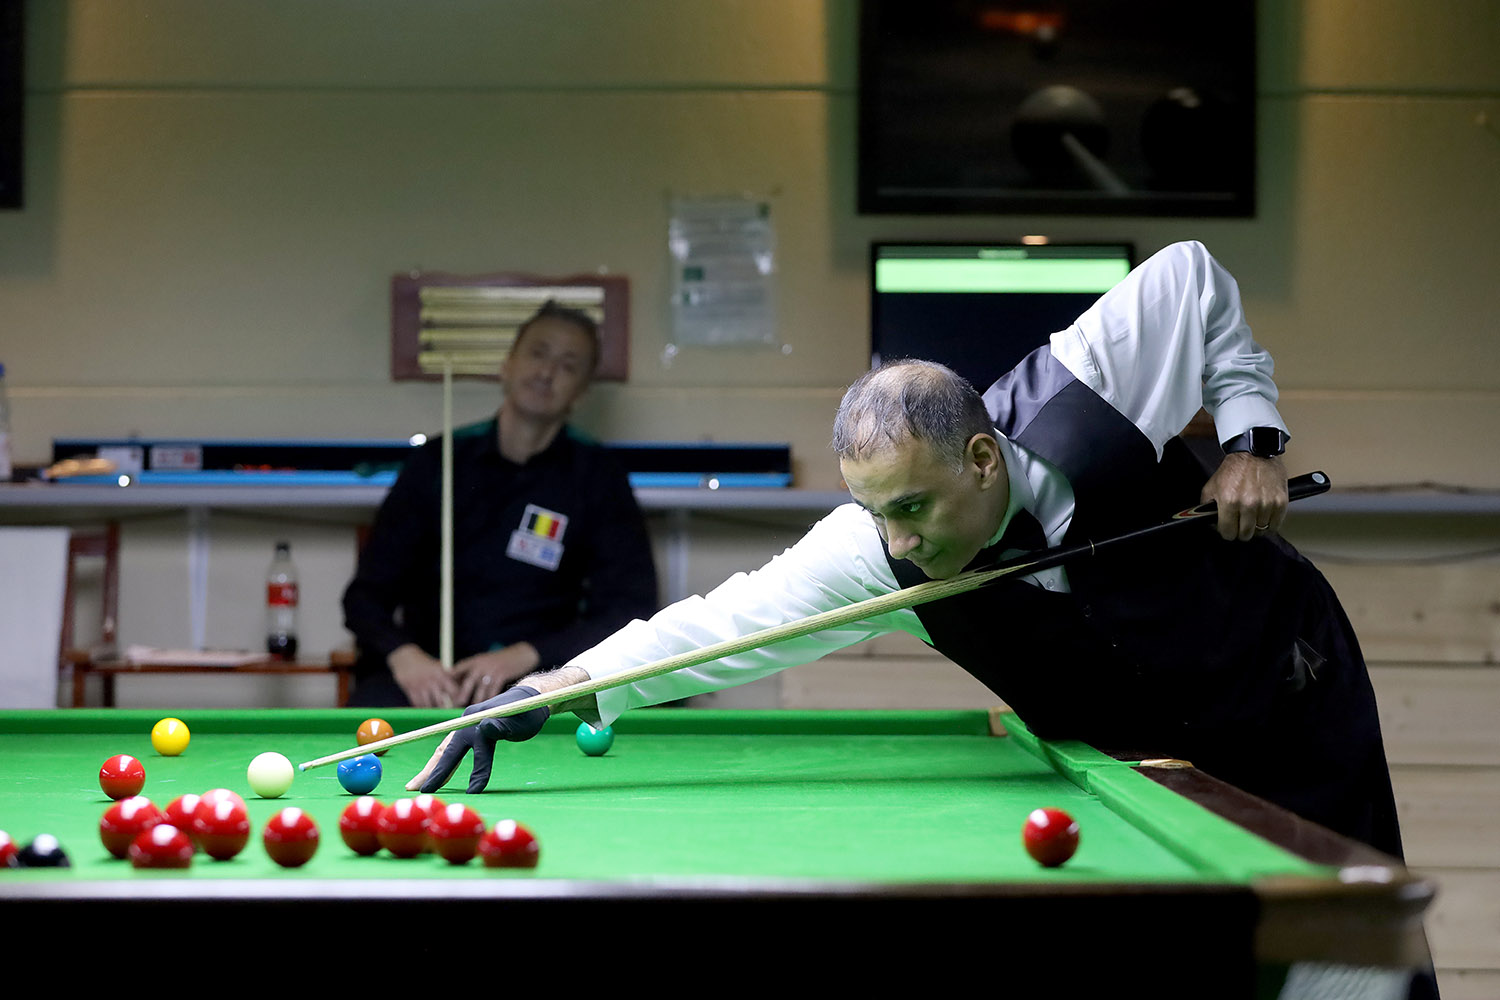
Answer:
[(1171, 337)]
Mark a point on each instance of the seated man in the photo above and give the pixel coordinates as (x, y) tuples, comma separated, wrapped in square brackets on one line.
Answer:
[(550, 554)]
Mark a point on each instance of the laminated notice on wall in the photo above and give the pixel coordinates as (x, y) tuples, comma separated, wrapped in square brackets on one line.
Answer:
[(724, 268)]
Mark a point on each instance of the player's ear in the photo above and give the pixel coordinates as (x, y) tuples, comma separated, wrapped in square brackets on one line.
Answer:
[(982, 456)]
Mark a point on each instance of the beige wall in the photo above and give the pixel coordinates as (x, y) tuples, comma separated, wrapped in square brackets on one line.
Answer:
[(218, 194)]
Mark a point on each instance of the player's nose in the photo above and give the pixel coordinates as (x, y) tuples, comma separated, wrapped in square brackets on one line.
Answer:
[(902, 543)]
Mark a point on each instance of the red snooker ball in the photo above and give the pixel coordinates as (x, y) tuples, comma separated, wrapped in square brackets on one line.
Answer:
[(8, 851), (122, 776), (126, 820), (455, 831), (291, 837), (429, 804), (1050, 836), (179, 812), (402, 828), (221, 828), (359, 825), (509, 845), (215, 794), (162, 846)]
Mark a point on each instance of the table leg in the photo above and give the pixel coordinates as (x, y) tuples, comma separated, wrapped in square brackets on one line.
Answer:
[(197, 553)]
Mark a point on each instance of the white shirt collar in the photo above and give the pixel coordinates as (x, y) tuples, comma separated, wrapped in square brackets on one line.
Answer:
[(1035, 486)]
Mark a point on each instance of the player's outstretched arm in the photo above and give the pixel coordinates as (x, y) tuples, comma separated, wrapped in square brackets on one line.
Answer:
[(481, 738)]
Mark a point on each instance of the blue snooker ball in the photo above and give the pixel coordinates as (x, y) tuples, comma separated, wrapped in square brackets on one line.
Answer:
[(594, 742), (360, 775)]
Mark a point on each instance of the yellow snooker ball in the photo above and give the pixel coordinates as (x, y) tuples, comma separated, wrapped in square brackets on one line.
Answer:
[(170, 737)]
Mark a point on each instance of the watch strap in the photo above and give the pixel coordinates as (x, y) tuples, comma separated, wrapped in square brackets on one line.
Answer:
[(1262, 442)]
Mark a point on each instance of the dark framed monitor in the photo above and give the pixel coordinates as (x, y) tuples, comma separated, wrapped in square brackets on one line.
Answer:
[(979, 308), (1094, 107), (12, 94)]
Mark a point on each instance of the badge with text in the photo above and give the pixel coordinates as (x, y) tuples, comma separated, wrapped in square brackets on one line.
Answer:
[(538, 541)]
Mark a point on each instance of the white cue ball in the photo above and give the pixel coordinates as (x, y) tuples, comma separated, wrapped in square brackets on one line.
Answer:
[(270, 775)]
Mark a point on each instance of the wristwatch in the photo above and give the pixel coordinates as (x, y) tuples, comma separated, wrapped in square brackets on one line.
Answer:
[(1262, 442)]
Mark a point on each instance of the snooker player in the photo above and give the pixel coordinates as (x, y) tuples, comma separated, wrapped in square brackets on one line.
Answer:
[(1225, 648), (552, 552)]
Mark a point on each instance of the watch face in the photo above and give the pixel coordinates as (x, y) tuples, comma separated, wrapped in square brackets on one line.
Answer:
[(1266, 442)]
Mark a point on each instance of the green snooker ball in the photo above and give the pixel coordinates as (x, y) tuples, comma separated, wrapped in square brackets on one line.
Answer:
[(594, 742)]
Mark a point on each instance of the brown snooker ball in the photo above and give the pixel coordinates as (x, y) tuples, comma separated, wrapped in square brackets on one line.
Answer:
[(373, 730)]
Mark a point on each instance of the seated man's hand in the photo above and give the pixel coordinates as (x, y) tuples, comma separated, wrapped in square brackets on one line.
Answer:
[(480, 738), (484, 675), (422, 677), (1251, 494)]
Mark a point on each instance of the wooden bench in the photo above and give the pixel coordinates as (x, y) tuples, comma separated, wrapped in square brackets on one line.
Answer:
[(83, 666)]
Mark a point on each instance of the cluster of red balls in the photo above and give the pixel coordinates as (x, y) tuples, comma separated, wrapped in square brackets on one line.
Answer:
[(215, 823), (408, 827), (218, 824)]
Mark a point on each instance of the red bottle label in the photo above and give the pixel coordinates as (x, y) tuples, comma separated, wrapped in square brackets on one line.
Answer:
[(281, 594)]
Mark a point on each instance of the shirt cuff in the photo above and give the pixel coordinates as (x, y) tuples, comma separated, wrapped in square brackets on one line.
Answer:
[(613, 703), (376, 650), (1236, 416)]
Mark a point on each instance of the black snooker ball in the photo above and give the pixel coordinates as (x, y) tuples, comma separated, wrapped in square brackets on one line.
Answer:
[(43, 852)]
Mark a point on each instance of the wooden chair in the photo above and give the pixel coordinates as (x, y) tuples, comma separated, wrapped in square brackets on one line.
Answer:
[(73, 661), (102, 658)]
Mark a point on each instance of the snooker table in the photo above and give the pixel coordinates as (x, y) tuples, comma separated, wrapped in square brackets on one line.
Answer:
[(868, 841)]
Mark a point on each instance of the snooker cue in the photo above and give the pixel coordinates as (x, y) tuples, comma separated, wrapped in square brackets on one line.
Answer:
[(445, 583), (1310, 484)]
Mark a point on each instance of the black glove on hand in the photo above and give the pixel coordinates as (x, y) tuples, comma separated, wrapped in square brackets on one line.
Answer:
[(481, 738)]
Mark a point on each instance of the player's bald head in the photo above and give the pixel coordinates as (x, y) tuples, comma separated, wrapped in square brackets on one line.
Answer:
[(909, 400)]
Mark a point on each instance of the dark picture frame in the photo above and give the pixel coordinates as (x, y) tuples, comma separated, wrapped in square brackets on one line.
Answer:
[(1090, 107), (12, 102)]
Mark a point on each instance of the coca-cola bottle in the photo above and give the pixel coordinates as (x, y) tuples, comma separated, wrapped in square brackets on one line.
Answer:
[(281, 605), (5, 469)]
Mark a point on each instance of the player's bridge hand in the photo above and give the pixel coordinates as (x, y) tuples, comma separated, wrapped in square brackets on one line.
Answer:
[(481, 738)]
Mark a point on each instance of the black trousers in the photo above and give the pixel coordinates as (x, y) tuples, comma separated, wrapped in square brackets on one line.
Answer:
[(377, 689), (1327, 717)]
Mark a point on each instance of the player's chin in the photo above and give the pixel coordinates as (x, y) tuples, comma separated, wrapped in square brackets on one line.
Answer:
[(935, 569)]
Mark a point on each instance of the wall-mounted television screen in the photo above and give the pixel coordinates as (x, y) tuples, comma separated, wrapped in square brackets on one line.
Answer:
[(12, 85), (979, 308), (1092, 107)]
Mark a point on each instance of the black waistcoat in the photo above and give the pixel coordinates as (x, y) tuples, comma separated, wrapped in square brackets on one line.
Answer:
[(1176, 636)]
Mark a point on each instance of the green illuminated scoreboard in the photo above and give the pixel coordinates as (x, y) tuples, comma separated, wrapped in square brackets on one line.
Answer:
[(979, 308), (1008, 269)]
